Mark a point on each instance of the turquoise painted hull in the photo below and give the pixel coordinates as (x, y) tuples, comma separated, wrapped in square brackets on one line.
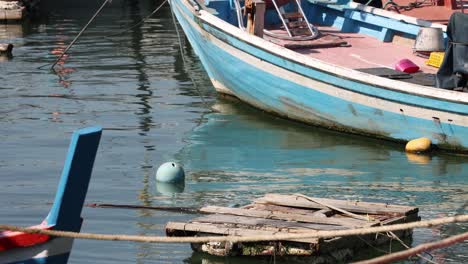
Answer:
[(293, 89)]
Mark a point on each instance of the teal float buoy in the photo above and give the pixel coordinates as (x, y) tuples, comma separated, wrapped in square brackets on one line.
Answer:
[(170, 172)]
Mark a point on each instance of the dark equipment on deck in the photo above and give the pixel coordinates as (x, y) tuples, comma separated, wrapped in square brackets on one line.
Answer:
[(453, 72)]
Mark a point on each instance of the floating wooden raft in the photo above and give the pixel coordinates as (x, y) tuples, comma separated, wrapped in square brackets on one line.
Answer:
[(289, 214)]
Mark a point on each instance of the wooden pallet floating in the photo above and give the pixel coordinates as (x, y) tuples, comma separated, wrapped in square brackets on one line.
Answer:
[(276, 214)]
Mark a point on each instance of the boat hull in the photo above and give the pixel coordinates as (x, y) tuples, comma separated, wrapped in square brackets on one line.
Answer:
[(55, 251), (12, 14), (252, 70), (65, 214)]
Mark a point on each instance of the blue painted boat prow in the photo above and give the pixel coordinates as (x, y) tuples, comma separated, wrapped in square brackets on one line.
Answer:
[(65, 214), (66, 210)]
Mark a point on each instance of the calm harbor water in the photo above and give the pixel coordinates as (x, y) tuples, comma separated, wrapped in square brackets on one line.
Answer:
[(155, 105)]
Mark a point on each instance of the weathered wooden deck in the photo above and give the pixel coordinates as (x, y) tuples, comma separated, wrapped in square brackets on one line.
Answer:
[(276, 214)]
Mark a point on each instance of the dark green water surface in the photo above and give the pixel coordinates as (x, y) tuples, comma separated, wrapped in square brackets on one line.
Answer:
[(137, 86)]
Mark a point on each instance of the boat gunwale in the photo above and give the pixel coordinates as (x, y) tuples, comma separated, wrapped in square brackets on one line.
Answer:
[(319, 65), (399, 17)]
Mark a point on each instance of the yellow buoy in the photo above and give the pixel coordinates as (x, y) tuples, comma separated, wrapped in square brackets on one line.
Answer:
[(418, 145)]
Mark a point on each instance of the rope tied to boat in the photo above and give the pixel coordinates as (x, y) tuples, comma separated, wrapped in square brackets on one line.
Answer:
[(80, 33), (184, 63)]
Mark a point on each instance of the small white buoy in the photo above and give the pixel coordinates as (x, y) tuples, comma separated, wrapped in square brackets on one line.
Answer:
[(170, 172), (418, 145)]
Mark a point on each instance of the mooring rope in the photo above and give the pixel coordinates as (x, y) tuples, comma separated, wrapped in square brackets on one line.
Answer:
[(416, 250), (393, 236), (182, 55), (79, 34), (236, 239), (186, 210)]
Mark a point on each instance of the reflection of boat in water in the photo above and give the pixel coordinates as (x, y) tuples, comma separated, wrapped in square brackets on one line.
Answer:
[(343, 81), (236, 135), (234, 127), (240, 149), (65, 215), (11, 31)]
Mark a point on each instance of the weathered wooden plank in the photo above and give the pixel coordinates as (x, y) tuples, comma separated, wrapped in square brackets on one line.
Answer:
[(352, 206), (259, 20), (255, 223), (348, 222), (296, 24), (291, 210), (220, 229), (344, 212)]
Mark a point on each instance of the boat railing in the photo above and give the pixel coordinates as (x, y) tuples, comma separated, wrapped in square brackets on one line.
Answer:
[(240, 19)]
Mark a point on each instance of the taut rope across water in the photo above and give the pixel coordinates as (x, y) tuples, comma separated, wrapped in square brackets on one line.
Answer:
[(235, 239), (319, 234)]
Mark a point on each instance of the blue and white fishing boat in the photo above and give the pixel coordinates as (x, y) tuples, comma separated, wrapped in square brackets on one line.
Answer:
[(65, 215), (326, 63)]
